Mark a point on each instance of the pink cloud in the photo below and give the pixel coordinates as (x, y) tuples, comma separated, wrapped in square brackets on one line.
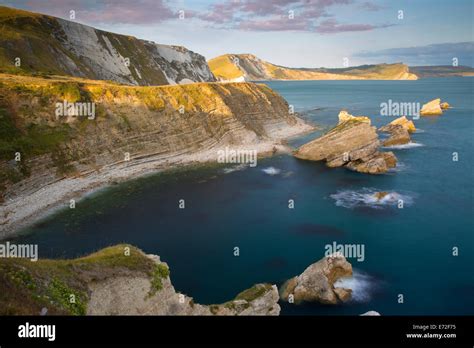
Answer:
[(276, 24), (272, 15), (256, 15), (107, 11), (331, 26)]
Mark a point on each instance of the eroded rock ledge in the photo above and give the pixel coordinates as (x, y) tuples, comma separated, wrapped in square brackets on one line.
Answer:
[(136, 296), (353, 143)]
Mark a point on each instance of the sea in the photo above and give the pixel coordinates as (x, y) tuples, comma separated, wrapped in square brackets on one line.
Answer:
[(243, 225)]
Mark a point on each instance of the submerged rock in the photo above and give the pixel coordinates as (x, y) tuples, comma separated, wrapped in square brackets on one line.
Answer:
[(380, 195), (354, 144), (432, 108), (316, 283)]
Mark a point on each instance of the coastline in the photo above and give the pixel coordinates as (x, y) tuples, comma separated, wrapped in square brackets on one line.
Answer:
[(31, 206)]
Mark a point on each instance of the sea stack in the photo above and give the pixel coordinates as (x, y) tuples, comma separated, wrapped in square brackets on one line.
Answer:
[(401, 121), (316, 283), (353, 143), (433, 108)]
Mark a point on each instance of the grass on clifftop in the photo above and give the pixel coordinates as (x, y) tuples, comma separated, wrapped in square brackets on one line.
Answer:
[(254, 292), (61, 285), (223, 67)]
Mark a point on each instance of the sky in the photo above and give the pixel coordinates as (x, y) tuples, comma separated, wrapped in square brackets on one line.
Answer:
[(294, 33)]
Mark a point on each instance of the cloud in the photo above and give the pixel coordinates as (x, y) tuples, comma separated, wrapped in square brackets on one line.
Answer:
[(435, 54), (275, 24), (274, 15), (104, 11), (247, 15), (331, 26)]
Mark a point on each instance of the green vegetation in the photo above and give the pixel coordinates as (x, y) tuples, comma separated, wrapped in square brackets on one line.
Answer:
[(31, 141), (254, 292), (159, 273), (61, 285), (72, 300)]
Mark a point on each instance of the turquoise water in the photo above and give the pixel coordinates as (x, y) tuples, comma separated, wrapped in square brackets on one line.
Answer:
[(407, 251)]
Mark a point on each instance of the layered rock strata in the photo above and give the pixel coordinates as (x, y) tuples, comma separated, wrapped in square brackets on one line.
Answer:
[(354, 144)]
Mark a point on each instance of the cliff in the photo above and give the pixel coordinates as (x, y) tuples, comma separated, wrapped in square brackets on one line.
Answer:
[(47, 45), (119, 280), (134, 130), (247, 67)]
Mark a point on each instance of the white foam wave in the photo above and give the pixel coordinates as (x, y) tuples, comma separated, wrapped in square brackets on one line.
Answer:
[(404, 146), (400, 167), (271, 171), (240, 167), (361, 284), (367, 198)]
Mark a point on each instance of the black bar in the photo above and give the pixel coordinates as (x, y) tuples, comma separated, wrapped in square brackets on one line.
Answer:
[(258, 330)]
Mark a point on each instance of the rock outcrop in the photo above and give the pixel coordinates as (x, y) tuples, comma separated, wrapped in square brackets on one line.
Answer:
[(354, 144), (444, 105), (345, 116), (50, 45), (316, 283), (432, 108), (118, 280), (248, 67), (131, 295), (399, 130), (401, 121), (398, 136)]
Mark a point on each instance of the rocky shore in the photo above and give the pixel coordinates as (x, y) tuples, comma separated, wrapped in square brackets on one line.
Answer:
[(118, 280), (122, 280), (138, 131)]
